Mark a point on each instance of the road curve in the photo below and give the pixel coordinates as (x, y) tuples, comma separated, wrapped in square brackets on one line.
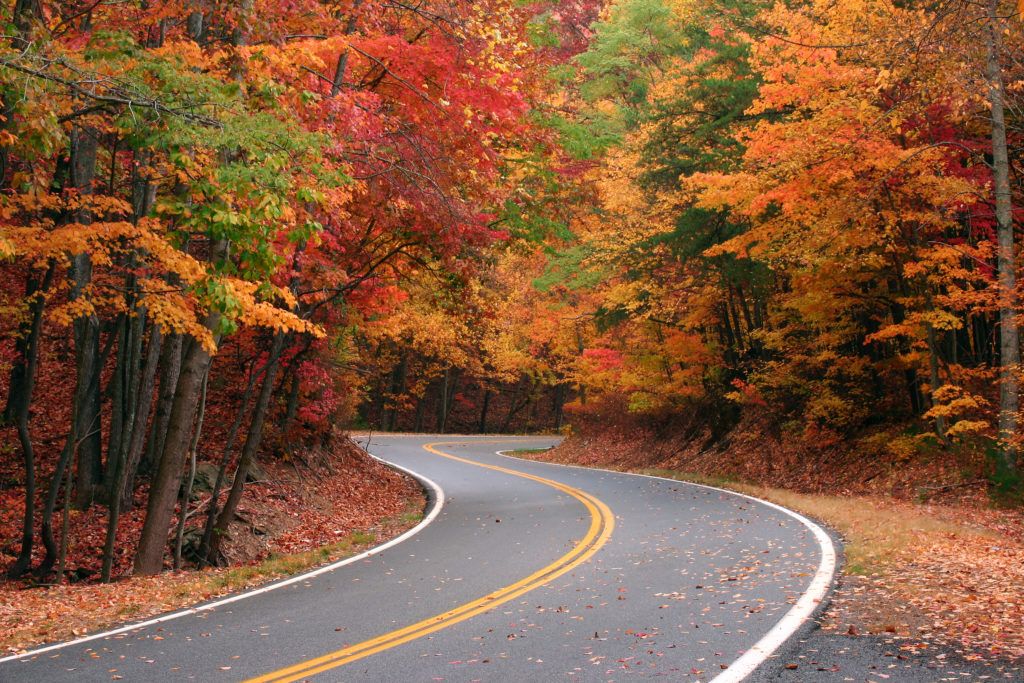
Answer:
[(530, 572)]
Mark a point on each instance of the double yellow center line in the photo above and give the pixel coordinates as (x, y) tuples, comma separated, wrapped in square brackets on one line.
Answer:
[(601, 524)]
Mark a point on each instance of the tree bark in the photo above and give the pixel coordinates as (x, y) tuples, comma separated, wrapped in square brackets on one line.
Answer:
[(249, 450), (126, 463), (88, 439), (482, 427), (559, 404), (338, 82), (225, 459), (194, 27), (28, 359), (421, 407), (398, 379), (52, 495), (65, 529), (126, 485), (186, 491), (1009, 336), (170, 371), (25, 13), (125, 388), (442, 402), (933, 370), (292, 406), (164, 488)]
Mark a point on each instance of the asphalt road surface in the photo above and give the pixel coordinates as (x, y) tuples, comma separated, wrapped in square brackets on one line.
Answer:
[(530, 572)]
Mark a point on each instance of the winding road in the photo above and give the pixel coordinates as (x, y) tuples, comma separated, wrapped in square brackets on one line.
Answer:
[(522, 571)]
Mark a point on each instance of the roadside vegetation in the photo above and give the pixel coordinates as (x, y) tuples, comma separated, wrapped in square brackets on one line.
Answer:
[(351, 508), (775, 243), (217, 222)]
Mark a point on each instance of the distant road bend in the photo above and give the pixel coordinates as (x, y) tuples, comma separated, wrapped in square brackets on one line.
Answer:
[(530, 572)]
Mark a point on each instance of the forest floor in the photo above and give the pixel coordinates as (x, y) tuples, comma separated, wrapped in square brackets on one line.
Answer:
[(932, 574), (297, 515)]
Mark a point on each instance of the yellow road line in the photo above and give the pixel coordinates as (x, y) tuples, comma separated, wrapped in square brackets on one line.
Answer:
[(601, 524)]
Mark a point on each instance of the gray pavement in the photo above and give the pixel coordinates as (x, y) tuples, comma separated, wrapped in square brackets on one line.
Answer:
[(689, 580)]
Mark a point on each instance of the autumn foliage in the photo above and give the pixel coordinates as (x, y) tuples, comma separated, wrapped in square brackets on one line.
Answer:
[(213, 219), (804, 212), (226, 228)]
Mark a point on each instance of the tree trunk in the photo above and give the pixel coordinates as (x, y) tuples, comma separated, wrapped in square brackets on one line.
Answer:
[(514, 407), (194, 27), (377, 408), (125, 465), (170, 371), (292, 406), (559, 404), (741, 342), (126, 486), (730, 338), (118, 399), (87, 400), (65, 529), (130, 378), (933, 370), (421, 408), (21, 565), (84, 143), (251, 447), (163, 491), (225, 459), (1009, 337), (339, 70), (28, 359), (25, 13), (581, 388), (34, 295), (442, 402), (186, 491), (482, 427), (52, 495), (398, 378)]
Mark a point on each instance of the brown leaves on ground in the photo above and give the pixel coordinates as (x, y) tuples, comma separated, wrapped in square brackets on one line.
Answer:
[(304, 505), (318, 513), (952, 578)]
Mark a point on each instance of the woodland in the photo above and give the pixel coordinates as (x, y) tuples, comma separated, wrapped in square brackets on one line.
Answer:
[(227, 229)]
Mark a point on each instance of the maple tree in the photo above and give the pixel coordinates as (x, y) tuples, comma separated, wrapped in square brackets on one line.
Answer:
[(226, 228), (801, 210), (197, 196)]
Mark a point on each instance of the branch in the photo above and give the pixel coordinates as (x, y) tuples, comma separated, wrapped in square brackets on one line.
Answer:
[(401, 80), (114, 95), (317, 74)]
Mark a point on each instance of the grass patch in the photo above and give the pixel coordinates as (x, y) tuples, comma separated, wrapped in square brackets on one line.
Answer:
[(526, 452), (362, 538), (706, 480), (279, 565), (411, 517)]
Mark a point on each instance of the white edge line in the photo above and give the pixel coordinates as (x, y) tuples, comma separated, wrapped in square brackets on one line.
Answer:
[(797, 615), (435, 510)]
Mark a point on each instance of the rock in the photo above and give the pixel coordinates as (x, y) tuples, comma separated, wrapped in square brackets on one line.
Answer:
[(206, 476), (256, 473)]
